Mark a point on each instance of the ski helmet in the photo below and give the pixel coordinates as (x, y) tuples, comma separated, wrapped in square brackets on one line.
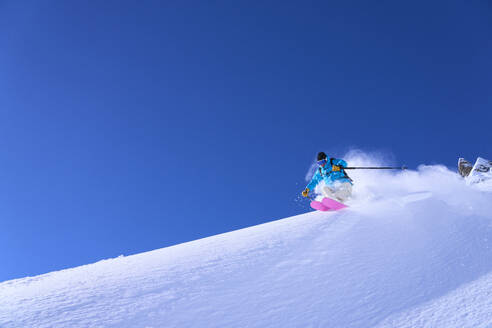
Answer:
[(321, 156)]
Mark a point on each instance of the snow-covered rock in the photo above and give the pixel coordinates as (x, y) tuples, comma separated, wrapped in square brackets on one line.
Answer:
[(413, 250), (481, 171), (464, 167)]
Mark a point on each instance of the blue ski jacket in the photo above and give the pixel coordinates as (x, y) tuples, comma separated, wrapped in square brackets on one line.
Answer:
[(326, 174)]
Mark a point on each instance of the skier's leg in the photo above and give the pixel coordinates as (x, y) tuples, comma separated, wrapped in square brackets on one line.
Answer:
[(343, 192), (328, 192)]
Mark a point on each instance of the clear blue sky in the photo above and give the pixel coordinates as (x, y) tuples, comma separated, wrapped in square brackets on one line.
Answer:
[(127, 126)]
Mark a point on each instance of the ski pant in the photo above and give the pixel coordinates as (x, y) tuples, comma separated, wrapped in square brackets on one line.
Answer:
[(339, 191)]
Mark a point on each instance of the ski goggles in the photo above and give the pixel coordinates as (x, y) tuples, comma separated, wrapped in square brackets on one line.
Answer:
[(322, 162)]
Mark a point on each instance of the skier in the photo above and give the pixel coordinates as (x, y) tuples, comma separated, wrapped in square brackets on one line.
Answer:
[(338, 185)]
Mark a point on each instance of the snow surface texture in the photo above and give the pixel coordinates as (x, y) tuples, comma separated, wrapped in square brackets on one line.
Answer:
[(413, 250)]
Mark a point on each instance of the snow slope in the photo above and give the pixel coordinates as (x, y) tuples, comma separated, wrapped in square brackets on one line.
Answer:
[(414, 251)]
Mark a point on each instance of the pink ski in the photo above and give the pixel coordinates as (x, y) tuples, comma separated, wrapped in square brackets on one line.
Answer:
[(332, 204), (319, 206)]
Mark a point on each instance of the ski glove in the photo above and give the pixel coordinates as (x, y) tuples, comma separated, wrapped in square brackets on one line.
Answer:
[(305, 192), (336, 168)]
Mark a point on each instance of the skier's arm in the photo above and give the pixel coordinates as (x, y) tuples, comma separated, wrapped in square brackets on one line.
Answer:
[(339, 162), (314, 181)]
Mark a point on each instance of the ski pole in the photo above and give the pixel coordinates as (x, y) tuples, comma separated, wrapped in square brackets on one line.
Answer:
[(376, 168)]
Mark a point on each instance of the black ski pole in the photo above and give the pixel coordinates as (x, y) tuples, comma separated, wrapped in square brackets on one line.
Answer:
[(375, 168)]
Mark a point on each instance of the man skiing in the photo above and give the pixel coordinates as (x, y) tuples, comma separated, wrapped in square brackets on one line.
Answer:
[(338, 185)]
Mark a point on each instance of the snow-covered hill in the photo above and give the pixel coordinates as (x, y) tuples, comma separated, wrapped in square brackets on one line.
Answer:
[(413, 250)]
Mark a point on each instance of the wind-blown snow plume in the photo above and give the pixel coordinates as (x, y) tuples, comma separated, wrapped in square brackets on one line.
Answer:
[(372, 185)]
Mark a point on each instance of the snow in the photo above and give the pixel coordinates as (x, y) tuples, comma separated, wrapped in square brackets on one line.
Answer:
[(414, 249)]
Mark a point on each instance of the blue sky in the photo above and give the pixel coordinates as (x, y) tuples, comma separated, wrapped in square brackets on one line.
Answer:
[(127, 126)]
